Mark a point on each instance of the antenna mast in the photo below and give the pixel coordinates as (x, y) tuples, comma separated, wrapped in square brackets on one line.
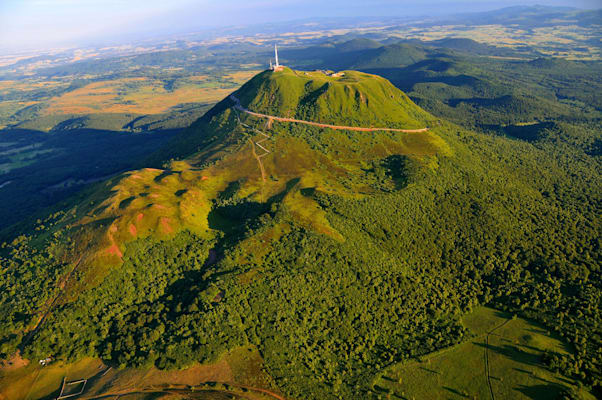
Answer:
[(276, 66)]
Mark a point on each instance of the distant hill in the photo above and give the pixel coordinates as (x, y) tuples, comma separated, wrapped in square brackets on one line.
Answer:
[(399, 55), (533, 16), (357, 44), (471, 46), (362, 54)]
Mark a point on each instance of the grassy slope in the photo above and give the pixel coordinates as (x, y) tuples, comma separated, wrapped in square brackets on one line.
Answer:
[(162, 202), (355, 99), (515, 348)]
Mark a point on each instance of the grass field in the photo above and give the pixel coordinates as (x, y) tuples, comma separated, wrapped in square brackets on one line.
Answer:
[(238, 367), (512, 349)]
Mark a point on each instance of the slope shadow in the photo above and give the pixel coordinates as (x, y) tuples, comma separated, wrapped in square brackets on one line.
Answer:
[(541, 392), (235, 217), (61, 163), (514, 353)]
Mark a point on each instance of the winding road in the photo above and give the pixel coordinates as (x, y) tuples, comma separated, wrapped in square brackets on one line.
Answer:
[(239, 107)]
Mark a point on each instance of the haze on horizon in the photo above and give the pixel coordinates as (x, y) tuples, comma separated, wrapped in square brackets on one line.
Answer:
[(43, 24)]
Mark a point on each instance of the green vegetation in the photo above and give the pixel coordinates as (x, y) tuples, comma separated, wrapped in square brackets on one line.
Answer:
[(511, 351), (359, 251), (353, 99), (362, 265)]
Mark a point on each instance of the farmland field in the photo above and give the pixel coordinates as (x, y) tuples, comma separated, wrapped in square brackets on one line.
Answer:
[(142, 95)]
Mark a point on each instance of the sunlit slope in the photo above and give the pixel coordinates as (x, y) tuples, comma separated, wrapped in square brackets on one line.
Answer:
[(346, 98), (225, 161)]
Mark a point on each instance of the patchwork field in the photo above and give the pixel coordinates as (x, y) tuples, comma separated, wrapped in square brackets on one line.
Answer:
[(45, 101), (501, 361), (144, 95), (556, 41)]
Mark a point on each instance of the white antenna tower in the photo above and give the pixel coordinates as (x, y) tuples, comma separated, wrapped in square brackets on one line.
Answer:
[(274, 67)]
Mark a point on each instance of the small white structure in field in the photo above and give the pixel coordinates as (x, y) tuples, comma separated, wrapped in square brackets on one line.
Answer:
[(45, 361)]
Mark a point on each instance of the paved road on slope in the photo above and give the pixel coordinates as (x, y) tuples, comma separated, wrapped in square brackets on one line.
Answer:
[(339, 127)]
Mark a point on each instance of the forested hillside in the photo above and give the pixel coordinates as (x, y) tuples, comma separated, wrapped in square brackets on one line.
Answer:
[(337, 253)]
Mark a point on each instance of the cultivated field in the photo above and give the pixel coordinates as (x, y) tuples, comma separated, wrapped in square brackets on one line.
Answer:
[(35, 99), (143, 95)]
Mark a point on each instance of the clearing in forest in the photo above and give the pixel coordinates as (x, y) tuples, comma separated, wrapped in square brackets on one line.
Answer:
[(504, 352)]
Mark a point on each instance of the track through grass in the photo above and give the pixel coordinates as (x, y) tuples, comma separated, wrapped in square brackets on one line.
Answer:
[(502, 360)]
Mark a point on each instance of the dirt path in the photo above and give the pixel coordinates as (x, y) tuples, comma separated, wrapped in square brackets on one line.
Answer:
[(487, 365), (239, 107), (258, 144), (258, 160), (50, 306), (176, 390)]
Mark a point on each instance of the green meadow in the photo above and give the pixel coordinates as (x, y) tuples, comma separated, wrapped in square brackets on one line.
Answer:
[(502, 359)]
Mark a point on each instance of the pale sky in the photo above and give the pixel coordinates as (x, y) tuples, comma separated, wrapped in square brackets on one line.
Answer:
[(45, 23)]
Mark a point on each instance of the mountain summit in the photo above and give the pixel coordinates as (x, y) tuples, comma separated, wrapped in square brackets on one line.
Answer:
[(344, 98), (280, 135)]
